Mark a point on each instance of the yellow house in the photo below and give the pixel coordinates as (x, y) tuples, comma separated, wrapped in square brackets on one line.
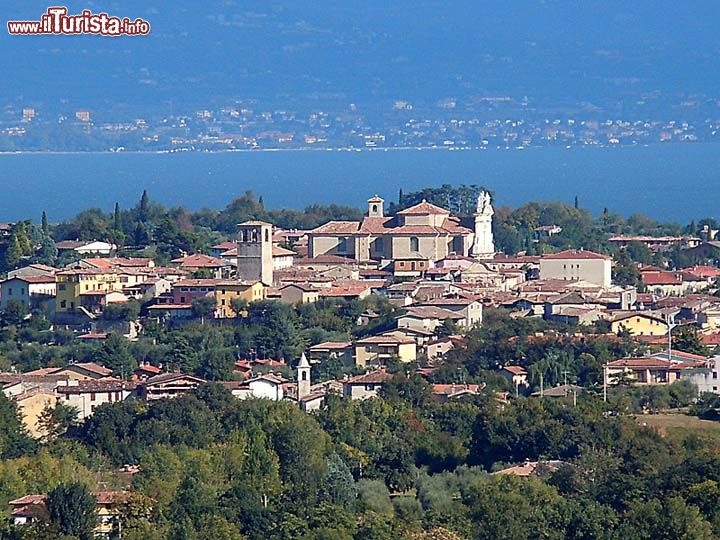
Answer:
[(378, 349), (84, 288), (226, 291), (31, 405), (639, 324)]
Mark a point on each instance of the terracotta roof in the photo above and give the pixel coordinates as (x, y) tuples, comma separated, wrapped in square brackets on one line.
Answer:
[(640, 363), (331, 345), (169, 377), (337, 227), (375, 225), (224, 246), (278, 251), (431, 312), (87, 366), (28, 499), (100, 385), (94, 335), (374, 377), (515, 370), (199, 260), (449, 302), (342, 292), (423, 208), (704, 271), (660, 278), (34, 279), (453, 389), (396, 340), (305, 287), (575, 254), (149, 368)]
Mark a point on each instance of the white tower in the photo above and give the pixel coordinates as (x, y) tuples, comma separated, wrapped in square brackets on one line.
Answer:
[(303, 377), (483, 246)]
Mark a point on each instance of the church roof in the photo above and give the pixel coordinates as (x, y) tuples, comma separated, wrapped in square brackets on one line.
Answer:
[(337, 227), (303, 361), (423, 208)]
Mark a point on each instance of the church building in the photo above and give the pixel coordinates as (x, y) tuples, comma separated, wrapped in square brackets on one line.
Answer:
[(423, 231)]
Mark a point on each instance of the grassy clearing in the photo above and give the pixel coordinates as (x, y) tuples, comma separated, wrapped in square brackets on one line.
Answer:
[(679, 423)]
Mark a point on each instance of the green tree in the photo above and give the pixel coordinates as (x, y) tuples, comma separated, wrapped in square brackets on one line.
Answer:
[(688, 340), (144, 207), (54, 421), (115, 354), (44, 224), (13, 254), (203, 307), (72, 510), (672, 519)]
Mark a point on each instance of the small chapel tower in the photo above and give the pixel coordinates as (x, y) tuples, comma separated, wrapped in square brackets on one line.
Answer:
[(375, 207), (303, 378), (484, 245)]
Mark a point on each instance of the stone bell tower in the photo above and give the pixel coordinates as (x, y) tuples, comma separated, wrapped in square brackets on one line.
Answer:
[(254, 252), (484, 245)]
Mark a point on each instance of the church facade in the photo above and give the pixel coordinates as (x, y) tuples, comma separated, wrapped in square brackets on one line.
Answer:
[(423, 231)]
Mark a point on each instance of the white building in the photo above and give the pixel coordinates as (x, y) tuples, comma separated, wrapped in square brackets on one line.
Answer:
[(577, 265), (86, 248), (28, 290), (86, 396)]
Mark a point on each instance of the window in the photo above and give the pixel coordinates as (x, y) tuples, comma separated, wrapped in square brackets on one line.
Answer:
[(10, 292), (714, 374), (267, 235), (63, 304), (379, 245), (414, 243), (92, 396), (304, 375)]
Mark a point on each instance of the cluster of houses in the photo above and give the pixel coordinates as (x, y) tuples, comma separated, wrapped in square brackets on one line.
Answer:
[(439, 272)]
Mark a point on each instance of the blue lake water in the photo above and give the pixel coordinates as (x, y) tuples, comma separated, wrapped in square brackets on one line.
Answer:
[(670, 182)]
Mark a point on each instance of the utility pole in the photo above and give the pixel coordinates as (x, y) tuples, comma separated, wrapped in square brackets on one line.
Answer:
[(671, 326), (542, 392), (605, 376)]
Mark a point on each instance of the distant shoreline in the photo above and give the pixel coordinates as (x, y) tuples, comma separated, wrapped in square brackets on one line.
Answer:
[(348, 149)]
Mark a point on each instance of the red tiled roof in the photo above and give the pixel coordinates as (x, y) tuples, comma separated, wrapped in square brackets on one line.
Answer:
[(640, 363), (224, 246), (660, 278), (575, 254), (100, 385), (373, 377), (452, 389), (199, 261), (34, 279), (397, 340), (423, 208), (515, 370), (337, 227)]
